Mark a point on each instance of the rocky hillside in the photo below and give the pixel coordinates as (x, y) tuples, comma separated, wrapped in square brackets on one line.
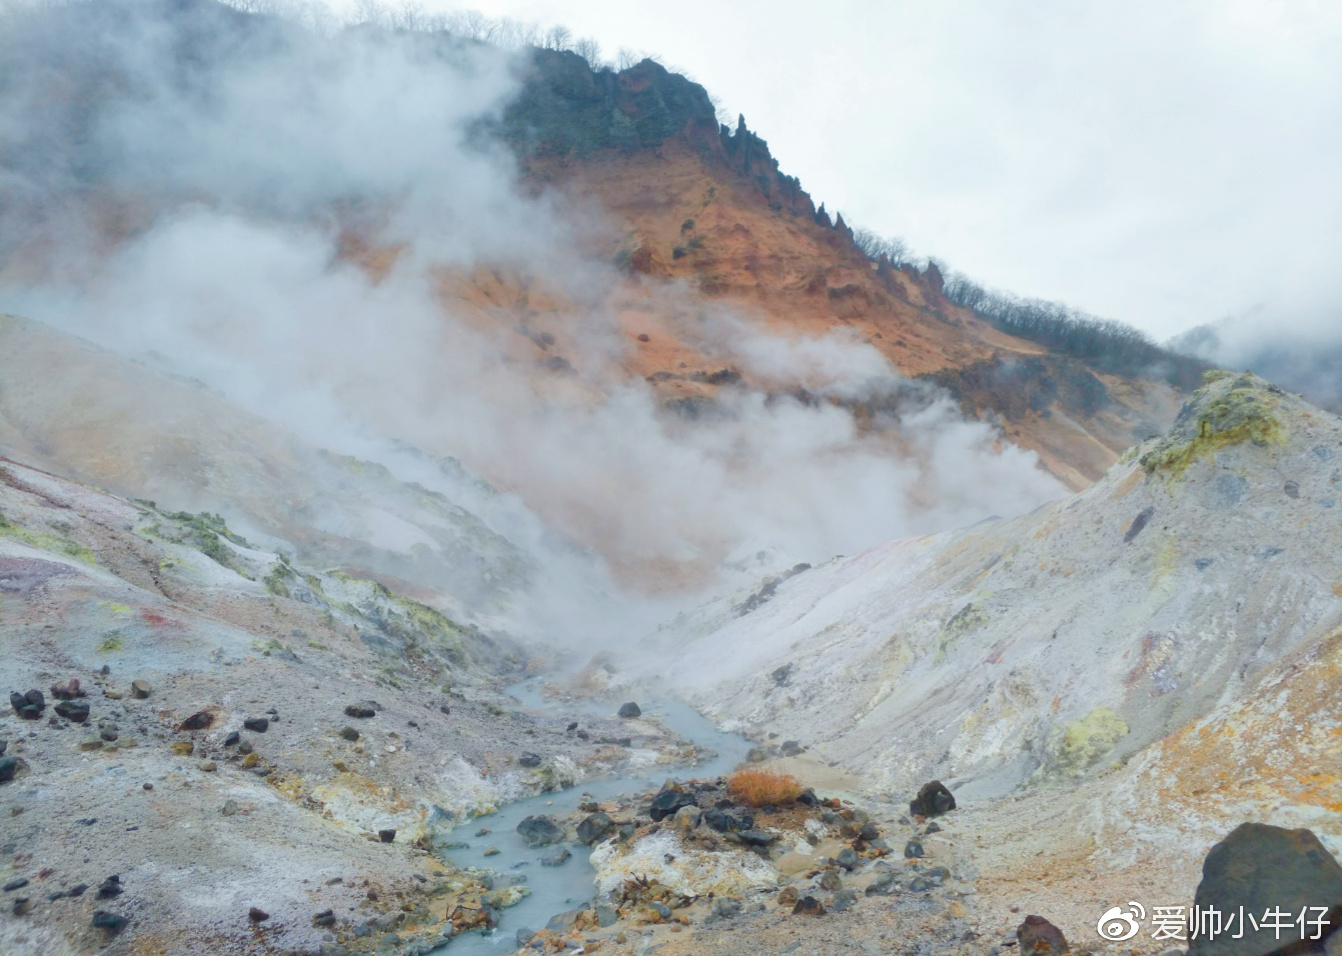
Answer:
[(1134, 668), (699, 219), (199, 731)]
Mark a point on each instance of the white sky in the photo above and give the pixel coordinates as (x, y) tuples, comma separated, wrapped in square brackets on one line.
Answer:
[(1166, 162)]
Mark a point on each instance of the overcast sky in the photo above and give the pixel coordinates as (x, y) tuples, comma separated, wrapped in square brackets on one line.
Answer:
[(1166, 162)]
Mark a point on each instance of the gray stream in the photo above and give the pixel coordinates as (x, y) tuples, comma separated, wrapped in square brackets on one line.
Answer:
[(560, 888)]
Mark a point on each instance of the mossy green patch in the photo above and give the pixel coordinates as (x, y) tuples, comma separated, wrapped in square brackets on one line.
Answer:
[(277, 581), (115, 608), (111, 644)]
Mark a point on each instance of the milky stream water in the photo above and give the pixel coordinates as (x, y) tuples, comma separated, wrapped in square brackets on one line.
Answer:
[(556, 889)]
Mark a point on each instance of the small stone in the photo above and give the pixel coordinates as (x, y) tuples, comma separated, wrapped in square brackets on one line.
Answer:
[(595, 828), (232, 738), (556, 857), (139, 689), (250, 761), (1038, 937), (630, 710), (13, 885), (108, 734), (257, 915), (844, 900), (91, 743), (847, 858), (807, 798), (200, 720), (147, 786), (349, 733), (208, 766), (110, 888), (113, 694), (78, 889), (229, 808), (933, 827), (360, 711), (9, 768), (913, 850), (788, 896), (491, 851), (386, 836), (829, 880), (258, 725), (110, 922), (183, 748), (76, 711), (324, 918), (244, 747), (539, 831), (529, 760), (808, 906)]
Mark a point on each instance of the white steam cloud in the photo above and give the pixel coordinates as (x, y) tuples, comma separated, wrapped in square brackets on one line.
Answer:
[(258, 167)]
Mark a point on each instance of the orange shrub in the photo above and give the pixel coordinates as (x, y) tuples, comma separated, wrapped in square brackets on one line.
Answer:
[(758, 788)]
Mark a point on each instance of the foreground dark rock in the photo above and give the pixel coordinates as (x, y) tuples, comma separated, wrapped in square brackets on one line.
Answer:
[(539, 831), (932, 801), (1262, 867), (1036, 936)]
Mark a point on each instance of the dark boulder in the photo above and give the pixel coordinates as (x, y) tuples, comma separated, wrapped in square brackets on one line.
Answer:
[(73, 710), (668, 801), (539, 831), (932, 801), (1038, 937), (630, 710), (1262, 867), (200, 720), (257, 725), (359, 710), (757, 838), (808, 906), (111, 922), (529, 760), (595, 828)]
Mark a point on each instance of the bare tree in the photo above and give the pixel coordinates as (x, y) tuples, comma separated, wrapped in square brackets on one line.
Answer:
[(589, 50), (626, 58)]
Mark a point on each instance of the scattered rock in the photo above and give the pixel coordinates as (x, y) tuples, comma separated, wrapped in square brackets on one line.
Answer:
[(386, 836), (349, 733), (257, 915), (932, 827), (556, 857), (529, 760), (807, 798), (630, 710), (1038, 937), (883, 885), (359, 710), (847, 858), (757, 837), (110, 888), (539, 831), (844, 900), (830, 880), (93, 743), (21, 906), (230, 808), (9, 768), (232, 738), (258, 725), (789, 748), (324, 918), (200, 720), (595, 828), (110, 922), (914, 849), (808, 906), (73, 710), (208, 766), (139, 689), (932, 801), (147, 786), (668, 800), (68, 691), (13, 885), (788, 896), (28, 706), (1258, 866)]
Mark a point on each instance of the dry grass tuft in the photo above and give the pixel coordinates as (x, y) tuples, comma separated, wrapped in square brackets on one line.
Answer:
[(758, 788)]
